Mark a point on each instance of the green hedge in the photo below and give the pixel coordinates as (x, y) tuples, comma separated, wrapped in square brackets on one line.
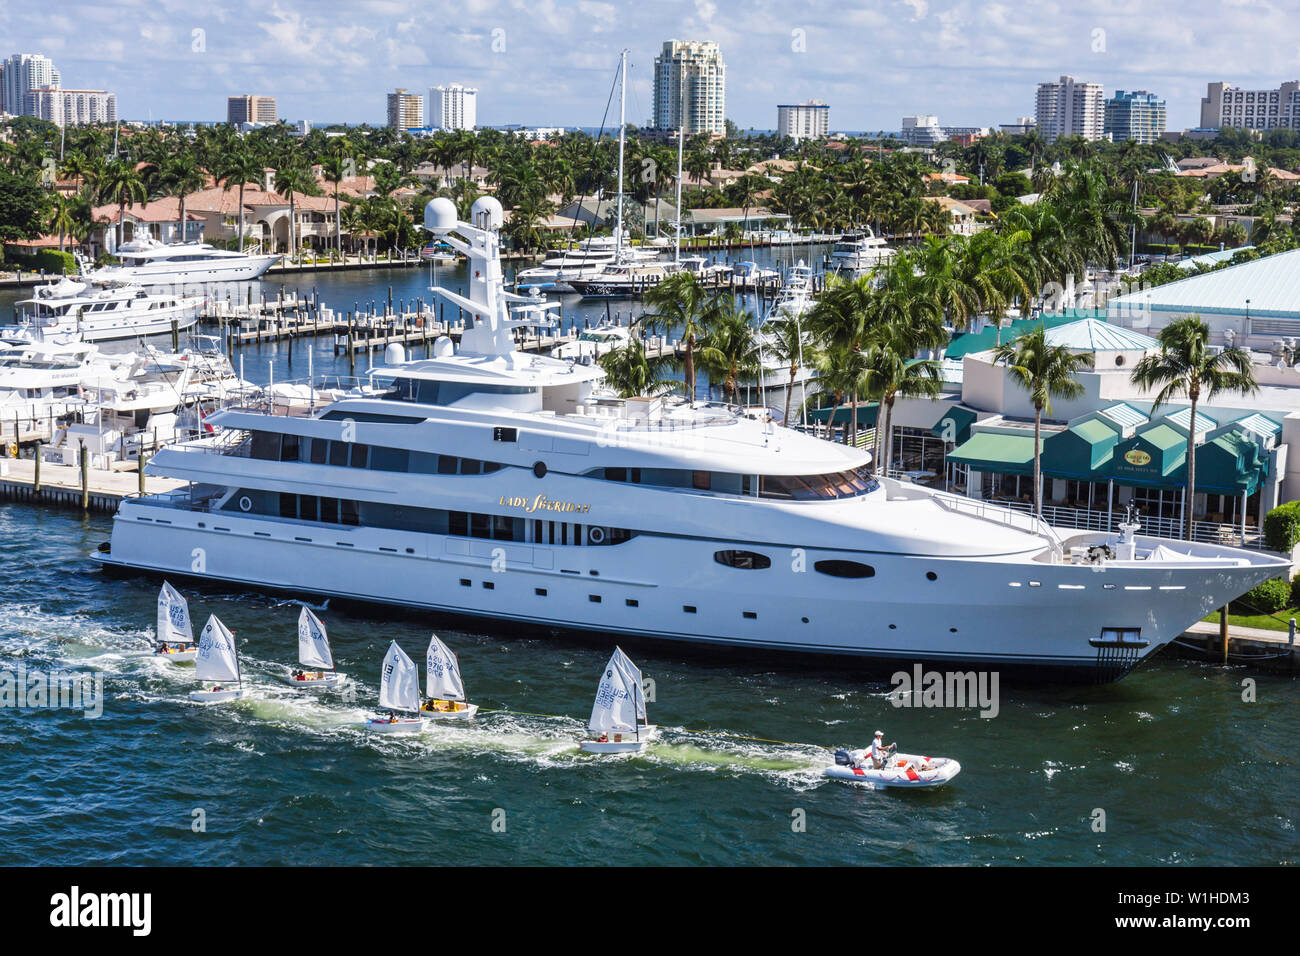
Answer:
[(1282, 527), (49, 261), (1267, 598)]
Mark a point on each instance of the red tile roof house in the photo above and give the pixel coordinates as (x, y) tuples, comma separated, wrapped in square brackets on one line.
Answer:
[(160, 218), (266, 217)]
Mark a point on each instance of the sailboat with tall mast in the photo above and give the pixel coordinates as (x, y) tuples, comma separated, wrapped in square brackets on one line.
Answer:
[(217, 664), (399, 695), (445, 684), (314, 652), (618, 717)]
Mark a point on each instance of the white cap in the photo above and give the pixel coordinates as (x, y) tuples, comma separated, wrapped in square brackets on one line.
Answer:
[(880, 733)]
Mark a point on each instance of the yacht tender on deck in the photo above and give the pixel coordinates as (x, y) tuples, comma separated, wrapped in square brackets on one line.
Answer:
[(491, 483)]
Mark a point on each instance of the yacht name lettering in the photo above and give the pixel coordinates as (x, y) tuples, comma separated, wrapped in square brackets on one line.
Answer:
[(543, 503)]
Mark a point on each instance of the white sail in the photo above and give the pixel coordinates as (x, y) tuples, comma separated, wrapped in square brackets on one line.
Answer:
[(399, 684), (313, 644), (217, 659), (443, 672), (174, 616), (619, 699)]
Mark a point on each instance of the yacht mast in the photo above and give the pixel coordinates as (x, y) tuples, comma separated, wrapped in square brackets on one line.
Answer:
[(622, 136), (681, 139)]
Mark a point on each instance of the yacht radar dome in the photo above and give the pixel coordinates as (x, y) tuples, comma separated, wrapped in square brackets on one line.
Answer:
[(440, 215), (394, 354), (486, 213)]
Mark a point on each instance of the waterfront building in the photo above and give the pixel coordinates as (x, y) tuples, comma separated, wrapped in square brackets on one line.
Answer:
[(453, 107), (405, 110), (690, 88), (158, 219), (1020, 127), (1136, 115), (22, 73), (1226, 106), (250, 108), (1070, 107), (74, 107), (811, 120)]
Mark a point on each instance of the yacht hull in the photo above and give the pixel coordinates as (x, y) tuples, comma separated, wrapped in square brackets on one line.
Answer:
[(1028, 618), (242, 270)]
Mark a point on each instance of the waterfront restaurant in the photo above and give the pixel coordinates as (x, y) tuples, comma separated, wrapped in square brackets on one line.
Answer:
[(1110, 448)]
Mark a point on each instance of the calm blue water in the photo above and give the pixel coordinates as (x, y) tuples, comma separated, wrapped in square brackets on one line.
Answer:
[(1184, 770)]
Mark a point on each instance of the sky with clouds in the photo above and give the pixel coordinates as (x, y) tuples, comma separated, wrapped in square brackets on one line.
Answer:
[(552, 62)]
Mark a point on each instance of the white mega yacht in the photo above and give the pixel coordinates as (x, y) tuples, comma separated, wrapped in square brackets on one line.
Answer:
[(498, 485), (71, 310), (858, 254), (147, 261)]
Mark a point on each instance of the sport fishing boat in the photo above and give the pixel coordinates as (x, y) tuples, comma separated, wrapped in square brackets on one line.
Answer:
[(147, 261), (858, 254), (77, 311), (217, 664), (315, 669), (619, 724), (399, 696), (446, 687), (485, 482), (175, 634)]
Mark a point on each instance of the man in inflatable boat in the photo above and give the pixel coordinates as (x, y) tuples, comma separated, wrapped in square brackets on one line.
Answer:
[(877, 755)]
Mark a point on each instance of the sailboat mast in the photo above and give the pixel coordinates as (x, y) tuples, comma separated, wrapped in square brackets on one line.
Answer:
[(681, 140), (622, 137)]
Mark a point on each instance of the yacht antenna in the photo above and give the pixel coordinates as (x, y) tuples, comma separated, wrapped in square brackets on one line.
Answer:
[(681, 139), (622, 136)]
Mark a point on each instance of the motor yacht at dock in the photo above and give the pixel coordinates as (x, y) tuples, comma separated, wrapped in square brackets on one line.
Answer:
[(494, 484), (71, 310), (146, 261)]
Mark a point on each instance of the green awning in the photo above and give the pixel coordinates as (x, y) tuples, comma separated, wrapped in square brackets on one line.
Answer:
[(1152, 458), (954, 425), (968, 343), (866, 414), (997, 453), (1230, 464), (1083, 451)]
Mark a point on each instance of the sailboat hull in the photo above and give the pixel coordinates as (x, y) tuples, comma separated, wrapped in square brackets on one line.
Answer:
[(329, 681), (443, 715), (405, 725), (217, 696), (619, 746), (178, 657)]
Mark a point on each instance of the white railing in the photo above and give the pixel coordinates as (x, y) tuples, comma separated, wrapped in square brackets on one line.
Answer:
[(1024, 519), (1208, 532)]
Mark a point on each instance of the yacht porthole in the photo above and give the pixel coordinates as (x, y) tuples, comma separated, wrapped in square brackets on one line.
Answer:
[(805, 620), (931, 576), (245, 503), (539, 469)]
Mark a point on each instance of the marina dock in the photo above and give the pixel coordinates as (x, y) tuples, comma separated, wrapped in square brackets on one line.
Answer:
[(69, 486)]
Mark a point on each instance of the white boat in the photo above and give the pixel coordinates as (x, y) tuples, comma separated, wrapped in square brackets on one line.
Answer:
[(791, 304), (217, 664), (897, 770), (445, 685), (147, 261), (399, 695), (72, 311), (619, 724), (174, 634), (858, 254), (41, 381), (591, 344), (657, 518), (314, 653)]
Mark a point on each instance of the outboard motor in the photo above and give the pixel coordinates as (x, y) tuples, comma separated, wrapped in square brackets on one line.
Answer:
[(842, 758)]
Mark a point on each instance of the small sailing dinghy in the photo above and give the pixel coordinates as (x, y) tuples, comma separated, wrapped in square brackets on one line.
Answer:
[(618, 717), (399, 694), (314, 652), (896, 770), (175, 634), (445, 685), (217, 663)]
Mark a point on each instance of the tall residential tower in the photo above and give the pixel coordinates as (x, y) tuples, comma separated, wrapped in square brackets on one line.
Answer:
[(690, 88)]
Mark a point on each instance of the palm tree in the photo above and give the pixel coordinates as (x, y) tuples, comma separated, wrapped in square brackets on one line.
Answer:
[(892, 374), (843, 318), (680, 302), (729, 350), (291, 181), (790, 342), (122, 184), (240, 167), (1184, 366), (182, 175), (1045, 372), (334, 171), (842, 372), (630, 372)]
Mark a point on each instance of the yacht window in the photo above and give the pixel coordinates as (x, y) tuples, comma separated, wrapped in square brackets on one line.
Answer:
[(837, 568), (359, 453), (389, 459), (288, 506), (480, 526), (348, 512), (458, 523), (470, 466), (616, 474), (329, 510), (289, 448), (700, 480), (447, 464), (266, 446), (338, 453), (307, 506), (744, 560), (491, 466), (319, 450)]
